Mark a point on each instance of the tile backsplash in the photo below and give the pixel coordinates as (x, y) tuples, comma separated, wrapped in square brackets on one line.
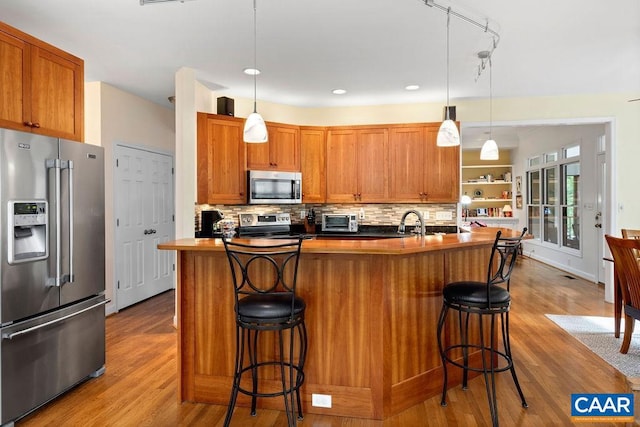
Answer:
[(374, 214)]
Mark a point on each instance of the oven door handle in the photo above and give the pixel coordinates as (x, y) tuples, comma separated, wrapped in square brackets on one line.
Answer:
[(10, 336)]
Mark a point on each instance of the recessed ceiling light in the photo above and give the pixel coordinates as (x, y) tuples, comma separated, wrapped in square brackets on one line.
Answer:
[(338, 91), (251, 71), (412, 87)]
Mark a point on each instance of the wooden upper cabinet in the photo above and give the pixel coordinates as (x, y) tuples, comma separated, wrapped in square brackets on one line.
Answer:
[(221, 158), (420, 170), (357, 165), (42, 87), (281, 152), (342, 176), (313, 164), (14, 83), (442, 183), (373, 165), (406, 152)]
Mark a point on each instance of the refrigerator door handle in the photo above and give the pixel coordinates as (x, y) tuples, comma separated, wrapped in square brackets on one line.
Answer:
[(69, 277), (56, 164), (10, 336)]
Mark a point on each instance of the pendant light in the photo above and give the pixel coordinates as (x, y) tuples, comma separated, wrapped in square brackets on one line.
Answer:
[(489, 148), (448, 135), (255, 130)]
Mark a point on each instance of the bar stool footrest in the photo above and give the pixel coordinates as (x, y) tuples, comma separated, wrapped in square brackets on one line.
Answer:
[(298, 376), (501, 354)]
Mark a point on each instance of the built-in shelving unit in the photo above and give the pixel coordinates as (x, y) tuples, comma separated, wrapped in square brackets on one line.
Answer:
[(489, 184)]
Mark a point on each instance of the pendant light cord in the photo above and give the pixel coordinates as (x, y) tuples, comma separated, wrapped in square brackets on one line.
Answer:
[(448, 20), (255, 59), (490, 100)]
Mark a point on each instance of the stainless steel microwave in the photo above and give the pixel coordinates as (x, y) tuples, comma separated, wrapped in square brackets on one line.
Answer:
[(346, 223), (274, 187)]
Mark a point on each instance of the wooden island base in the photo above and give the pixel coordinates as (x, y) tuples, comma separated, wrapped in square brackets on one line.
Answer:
[(372, 311)]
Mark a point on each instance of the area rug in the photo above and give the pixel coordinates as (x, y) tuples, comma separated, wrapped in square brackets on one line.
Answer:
[(597, 334)]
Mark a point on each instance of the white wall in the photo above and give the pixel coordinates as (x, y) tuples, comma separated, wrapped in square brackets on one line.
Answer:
[(113, 116)]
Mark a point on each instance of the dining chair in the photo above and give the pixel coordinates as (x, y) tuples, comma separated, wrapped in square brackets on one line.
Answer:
[(627, 271), (627, 233)]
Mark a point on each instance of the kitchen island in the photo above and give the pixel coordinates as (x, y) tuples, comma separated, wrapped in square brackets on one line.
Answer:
[(372, 311)]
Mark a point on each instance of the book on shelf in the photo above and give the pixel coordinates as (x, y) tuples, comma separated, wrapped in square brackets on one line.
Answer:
[(489, 212)]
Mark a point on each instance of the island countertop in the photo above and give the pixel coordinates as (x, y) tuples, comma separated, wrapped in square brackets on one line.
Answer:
[(372, 311), (356, 245)]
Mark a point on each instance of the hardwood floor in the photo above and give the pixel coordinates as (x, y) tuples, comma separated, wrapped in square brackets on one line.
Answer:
[(139, 386)]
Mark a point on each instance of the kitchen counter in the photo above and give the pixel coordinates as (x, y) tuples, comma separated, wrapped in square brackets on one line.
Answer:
[(360, 243), (372, 310)]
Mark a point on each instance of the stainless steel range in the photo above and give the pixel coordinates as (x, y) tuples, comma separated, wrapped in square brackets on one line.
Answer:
[(264, 225)]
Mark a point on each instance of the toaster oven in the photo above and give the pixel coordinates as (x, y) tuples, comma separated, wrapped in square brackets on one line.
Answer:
[(344, 223)]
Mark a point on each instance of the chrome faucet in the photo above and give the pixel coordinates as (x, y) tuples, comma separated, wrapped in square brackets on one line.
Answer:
[(420, 219)]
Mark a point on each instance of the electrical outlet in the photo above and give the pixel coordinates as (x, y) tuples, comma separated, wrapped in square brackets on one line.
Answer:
[(321, 400), (361, 215), (444, 215), (303, 214), (425, 215)]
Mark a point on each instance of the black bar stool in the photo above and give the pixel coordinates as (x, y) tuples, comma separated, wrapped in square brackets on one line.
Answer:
[(264, 277), (486, 300)]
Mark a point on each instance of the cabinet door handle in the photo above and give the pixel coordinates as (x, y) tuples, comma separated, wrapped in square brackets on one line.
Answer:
[(30, 124), (36, 125)]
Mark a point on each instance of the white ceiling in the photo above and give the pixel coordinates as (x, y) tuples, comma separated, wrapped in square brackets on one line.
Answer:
[(371, 48)]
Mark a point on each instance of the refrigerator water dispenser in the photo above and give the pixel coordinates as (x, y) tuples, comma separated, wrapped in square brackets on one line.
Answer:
[(28, 234)]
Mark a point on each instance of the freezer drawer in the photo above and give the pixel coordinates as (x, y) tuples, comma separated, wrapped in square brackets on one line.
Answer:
[(45, 356)]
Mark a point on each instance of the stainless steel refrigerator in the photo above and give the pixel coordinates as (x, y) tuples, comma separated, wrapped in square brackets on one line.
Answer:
[(52, 318)]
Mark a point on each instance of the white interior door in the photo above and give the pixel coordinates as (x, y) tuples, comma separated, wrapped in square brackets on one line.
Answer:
[(144, 218)]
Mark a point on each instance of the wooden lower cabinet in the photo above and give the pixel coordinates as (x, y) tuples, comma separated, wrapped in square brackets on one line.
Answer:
[(371, 321), (42, 87)]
